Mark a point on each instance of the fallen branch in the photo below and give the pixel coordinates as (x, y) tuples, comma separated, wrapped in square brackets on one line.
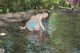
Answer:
[(65, 7)]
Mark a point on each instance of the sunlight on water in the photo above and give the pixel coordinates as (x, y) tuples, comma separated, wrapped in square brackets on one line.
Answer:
[(2, 34)]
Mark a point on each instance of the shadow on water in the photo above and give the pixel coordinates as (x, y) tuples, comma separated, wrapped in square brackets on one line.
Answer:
[(63, 29)]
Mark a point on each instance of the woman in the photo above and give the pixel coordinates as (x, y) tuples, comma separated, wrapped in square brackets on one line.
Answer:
[(35, 23)]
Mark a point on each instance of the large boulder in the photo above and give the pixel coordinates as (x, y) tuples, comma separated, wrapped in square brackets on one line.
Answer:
[(14, 17)]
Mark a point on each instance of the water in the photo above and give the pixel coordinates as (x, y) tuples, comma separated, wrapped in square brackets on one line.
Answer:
[(63, 30)]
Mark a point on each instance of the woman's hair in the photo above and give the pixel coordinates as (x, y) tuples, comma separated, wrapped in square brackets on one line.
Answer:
[(37, 12), (47, 18), (46, 11), (42, 11)]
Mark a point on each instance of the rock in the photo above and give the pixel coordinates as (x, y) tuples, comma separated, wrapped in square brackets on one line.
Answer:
[(2, 23), (2, 50), (77, 9), (9, 15), (14, 20), (22, 12), (16, 15), (30, 12), (24, 15), (3, 17)]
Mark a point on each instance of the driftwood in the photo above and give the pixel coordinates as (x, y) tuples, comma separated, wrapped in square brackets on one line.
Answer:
[(76, 9), (65, 7)]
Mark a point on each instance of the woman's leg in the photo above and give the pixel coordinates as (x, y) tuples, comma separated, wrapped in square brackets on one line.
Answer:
[(30, 31), (37, 30), (38, 34)]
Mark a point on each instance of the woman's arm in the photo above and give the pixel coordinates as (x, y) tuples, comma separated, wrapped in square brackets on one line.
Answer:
[(40, 22)]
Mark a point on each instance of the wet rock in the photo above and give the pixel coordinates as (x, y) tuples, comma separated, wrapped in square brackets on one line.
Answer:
[(2, 23)]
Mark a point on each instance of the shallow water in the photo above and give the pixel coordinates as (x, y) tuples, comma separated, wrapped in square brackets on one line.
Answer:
[(63, 30)]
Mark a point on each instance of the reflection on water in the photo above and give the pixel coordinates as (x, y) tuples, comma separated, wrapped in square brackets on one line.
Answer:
[(18, 41), (30, 45), (63, 29)]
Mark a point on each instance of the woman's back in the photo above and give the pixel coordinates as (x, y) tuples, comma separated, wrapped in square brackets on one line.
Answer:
[(33, 18)]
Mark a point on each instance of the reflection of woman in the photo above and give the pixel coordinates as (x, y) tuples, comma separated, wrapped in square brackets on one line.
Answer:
[(34, 24)]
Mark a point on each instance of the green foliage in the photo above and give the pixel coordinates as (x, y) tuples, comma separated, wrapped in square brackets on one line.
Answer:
[(24, 5)]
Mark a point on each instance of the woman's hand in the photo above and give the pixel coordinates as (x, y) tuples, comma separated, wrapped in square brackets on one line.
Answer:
[(22, 28), (44, 29)]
